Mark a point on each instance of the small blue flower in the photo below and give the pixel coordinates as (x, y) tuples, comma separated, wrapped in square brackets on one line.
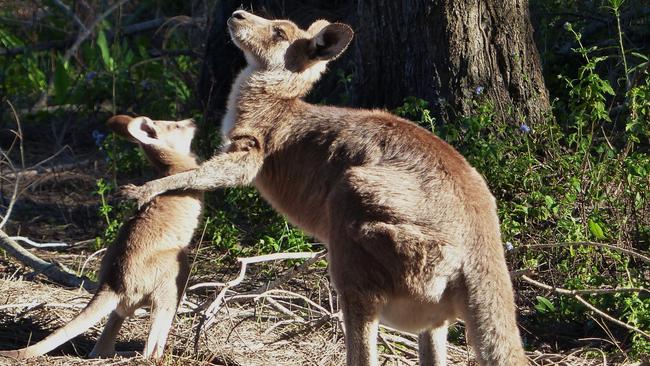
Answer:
[(146, 84), (479, 90), (509, 246), (91, 75), (98, 137), (524, 128)]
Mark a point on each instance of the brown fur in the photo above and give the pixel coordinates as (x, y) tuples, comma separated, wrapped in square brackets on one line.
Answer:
[(411, 227), (147, 265)]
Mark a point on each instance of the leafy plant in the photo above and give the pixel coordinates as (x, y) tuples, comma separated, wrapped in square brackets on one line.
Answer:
[(106, 211)]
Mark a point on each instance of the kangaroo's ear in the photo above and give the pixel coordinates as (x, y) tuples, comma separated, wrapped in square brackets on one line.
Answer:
[(330, 41), (118, 125), (143, 130)]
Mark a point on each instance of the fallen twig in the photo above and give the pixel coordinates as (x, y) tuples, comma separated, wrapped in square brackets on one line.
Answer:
[(208, 315), (66, 10), (83, 266), (216, 304), (38, 245), (50, 270), (575, 295), (591, 244), (14, 193)]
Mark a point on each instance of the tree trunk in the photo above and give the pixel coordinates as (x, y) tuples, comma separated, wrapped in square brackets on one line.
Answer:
[(437, 50)]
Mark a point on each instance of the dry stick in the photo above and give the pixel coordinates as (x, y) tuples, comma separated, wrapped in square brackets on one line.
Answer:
[(289, 274), (70, 14), (93, 255), (83, 35), (563, 291), (209, 315), (36, 169), (214, 307), (39, 245), (14, 194), (51, 271), (277, 282), (592, 244)]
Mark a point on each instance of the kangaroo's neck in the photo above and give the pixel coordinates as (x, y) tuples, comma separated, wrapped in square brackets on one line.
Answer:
[(179, 164), (260, 99)]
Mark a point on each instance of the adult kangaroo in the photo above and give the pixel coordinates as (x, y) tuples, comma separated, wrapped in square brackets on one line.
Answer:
[(411, 228)]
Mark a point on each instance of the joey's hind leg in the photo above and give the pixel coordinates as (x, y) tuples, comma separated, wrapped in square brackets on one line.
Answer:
[(432, 346), (105, 346), (162, 316)]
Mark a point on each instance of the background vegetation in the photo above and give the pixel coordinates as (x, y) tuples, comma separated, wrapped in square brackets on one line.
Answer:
[(581, 176)]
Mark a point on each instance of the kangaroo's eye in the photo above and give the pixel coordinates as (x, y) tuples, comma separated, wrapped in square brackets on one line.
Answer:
[(279, 34)]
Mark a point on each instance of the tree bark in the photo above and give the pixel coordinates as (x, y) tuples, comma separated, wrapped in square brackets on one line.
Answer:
[(437, 50)]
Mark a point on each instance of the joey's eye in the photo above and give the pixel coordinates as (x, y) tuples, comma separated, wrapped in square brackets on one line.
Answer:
[(279, 34)]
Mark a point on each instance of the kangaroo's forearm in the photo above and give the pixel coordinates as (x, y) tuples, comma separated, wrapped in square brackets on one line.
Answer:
[(224, 170)]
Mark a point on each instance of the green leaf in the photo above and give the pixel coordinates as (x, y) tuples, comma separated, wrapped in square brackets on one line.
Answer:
[(596, 230), (549, 201), (62, 81), (544, 305), (102, 43)]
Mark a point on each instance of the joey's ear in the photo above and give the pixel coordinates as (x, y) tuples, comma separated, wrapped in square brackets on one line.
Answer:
[(118, 125), (330, 42), (143, 130)]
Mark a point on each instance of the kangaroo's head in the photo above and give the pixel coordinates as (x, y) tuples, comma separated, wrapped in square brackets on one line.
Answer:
[(292, 55), (165, 143)]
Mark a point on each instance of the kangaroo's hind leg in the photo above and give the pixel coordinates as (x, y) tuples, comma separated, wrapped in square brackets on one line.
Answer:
[(432, 346), (105, 346)]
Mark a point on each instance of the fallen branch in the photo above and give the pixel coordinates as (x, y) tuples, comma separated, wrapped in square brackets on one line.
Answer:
[(50, 270), (66, 10), (208, 315), (575, 295), (14, 194), (41, 46), (37, 169), (216, 304), (289, 274), (38, 245), (591, 244), (83, 266)]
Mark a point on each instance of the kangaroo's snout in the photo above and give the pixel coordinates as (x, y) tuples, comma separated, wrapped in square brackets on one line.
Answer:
[(238, 15)]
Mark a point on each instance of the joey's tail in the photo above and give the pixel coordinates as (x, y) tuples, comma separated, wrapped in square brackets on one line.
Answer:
[(101, 305), (491, 318)]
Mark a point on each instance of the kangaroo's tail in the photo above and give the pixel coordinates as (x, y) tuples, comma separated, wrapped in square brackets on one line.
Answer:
[(491, 319), (101, 305)]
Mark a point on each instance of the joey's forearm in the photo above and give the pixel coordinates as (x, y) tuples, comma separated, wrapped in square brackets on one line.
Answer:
[(223, 170)]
